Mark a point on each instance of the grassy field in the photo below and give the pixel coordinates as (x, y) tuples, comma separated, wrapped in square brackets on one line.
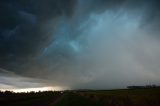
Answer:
[(74, 99), (126, 97)]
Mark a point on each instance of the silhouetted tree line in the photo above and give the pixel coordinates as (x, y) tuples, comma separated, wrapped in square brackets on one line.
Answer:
[(11, 94), (143, 87), (29, 93)]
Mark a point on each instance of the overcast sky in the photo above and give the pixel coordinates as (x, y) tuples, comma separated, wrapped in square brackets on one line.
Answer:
[(79, 44)]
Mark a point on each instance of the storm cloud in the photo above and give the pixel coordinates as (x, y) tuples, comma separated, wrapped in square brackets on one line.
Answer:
[(93, 44)]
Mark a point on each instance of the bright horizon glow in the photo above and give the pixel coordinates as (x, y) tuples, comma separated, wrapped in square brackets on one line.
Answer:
[(34, 89)]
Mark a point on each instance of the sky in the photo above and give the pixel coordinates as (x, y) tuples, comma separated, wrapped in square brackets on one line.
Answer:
[(79, 44)]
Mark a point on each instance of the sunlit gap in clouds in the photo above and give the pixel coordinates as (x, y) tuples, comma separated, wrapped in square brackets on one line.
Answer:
[(37, 89)]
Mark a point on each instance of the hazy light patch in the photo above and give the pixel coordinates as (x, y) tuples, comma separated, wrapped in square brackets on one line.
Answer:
[(56, 88), (75, 46), (110, 22), (114, 40)]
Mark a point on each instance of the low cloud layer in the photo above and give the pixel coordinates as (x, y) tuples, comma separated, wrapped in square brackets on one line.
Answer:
[(79, 43)]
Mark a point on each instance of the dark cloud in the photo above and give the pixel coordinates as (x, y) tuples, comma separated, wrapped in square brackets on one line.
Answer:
[(22, 31), (57, 40)]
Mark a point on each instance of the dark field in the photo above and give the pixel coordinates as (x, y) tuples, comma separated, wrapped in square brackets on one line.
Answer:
[(126, 97)]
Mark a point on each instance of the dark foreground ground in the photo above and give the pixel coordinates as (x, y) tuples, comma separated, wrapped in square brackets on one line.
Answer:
[(128, 97)]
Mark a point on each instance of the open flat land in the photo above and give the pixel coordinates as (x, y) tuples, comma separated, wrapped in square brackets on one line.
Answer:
[(122, 97)]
